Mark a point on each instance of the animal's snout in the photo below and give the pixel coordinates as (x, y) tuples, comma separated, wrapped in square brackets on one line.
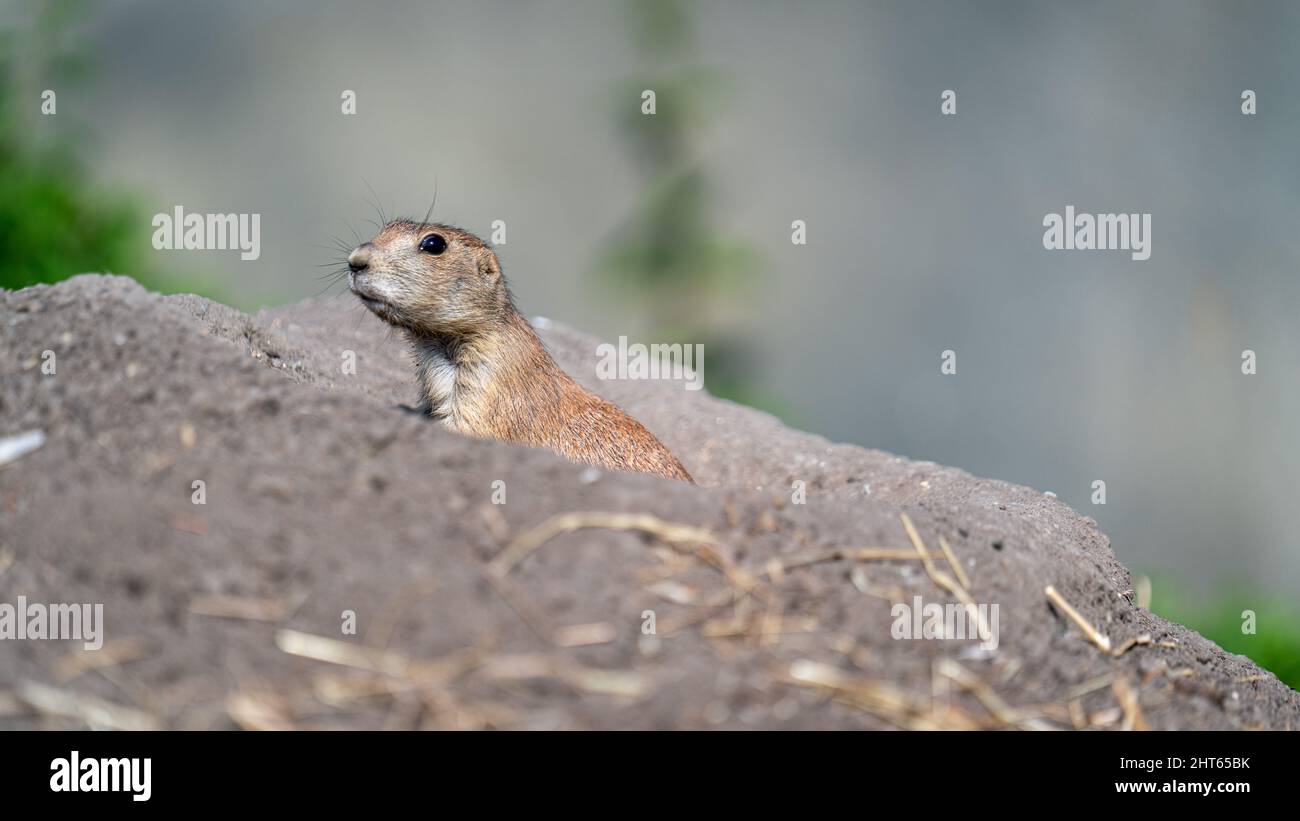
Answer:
[(359, 259)]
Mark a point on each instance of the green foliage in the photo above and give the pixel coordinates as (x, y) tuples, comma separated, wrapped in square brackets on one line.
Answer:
[(669, 258), (53, 225), (667, 249), (50, 228), (1275, 645)]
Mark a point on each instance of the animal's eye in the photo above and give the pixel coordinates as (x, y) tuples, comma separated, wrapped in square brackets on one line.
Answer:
[(433, 244)]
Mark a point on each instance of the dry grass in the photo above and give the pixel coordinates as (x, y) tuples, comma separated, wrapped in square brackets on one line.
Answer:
[(1094, 635), (466, 688)]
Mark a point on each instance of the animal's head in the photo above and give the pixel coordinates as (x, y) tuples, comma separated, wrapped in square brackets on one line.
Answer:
[(428, 277)]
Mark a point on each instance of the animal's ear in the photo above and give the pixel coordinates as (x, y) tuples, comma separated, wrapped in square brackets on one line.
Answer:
[(488, 265)]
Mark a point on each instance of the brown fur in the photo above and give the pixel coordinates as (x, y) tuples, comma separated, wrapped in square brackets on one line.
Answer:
[(481, 368)]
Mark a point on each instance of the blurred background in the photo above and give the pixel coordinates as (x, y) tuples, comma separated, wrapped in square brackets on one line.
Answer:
[(924, 232)]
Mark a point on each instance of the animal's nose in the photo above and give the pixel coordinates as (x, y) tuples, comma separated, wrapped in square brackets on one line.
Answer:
[(359, 258)]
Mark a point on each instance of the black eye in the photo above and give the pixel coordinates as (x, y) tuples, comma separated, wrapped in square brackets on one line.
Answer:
[(433, 244)]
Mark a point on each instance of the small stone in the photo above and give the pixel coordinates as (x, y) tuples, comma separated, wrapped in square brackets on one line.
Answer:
[(15, 447)]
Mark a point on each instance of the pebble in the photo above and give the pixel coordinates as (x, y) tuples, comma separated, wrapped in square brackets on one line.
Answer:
[(13, 448)]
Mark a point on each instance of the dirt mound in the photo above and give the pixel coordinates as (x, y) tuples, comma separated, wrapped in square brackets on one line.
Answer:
[(324, 498)]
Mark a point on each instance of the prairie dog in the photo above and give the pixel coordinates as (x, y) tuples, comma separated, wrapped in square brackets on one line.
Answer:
[(481, 368)]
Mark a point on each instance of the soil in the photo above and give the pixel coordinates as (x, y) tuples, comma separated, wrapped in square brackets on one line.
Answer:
[(326, 496)]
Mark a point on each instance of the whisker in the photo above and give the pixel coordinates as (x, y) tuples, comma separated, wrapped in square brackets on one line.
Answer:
[(382, 218), (429, 213), (322, 290)]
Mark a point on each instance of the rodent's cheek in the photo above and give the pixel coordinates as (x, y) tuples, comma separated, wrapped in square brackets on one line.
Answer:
[(386, 288)]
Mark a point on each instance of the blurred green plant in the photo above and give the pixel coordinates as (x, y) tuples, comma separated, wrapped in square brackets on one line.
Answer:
[(669, 256), (52, 223), (1275, 644)]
